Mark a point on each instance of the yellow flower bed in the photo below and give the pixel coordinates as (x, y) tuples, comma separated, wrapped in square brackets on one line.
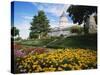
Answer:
[(58, 60)]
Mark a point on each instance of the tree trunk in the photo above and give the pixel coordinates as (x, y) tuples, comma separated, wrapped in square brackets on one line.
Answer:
[(86, 26)]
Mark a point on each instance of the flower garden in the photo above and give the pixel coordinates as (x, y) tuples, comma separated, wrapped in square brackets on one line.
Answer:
[(39, 46), (31, 59)]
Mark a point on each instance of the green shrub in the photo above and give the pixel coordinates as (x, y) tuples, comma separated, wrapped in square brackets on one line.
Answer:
[(18, 38), (76, 29)]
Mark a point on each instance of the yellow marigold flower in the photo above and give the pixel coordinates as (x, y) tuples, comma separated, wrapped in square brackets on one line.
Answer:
[(34, 66), (51, 66), (37, 70), (60, 69), (44, 63)]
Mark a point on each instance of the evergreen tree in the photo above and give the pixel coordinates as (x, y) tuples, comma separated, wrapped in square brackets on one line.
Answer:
[(39, 25)]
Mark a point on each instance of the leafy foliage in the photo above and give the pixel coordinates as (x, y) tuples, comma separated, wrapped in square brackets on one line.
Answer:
[(14, 31), (79, 14), (39, 25), (76, 29)]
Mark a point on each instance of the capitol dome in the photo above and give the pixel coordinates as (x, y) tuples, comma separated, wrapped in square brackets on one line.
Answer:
[(63, 20)]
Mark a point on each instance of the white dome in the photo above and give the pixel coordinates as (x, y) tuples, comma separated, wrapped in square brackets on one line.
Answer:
[(63, 20)]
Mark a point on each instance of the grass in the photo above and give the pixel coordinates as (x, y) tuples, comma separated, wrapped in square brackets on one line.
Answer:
[(36, 42), (80, 41)]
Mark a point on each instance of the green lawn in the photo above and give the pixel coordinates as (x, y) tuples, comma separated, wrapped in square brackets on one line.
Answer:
[(36, 42), (80, 41)]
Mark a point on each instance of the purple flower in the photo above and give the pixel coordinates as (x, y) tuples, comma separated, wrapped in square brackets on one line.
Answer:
[(19, 53)]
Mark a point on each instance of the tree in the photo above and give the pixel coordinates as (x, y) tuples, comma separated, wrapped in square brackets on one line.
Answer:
[(39, 25), (79, 14), (33, 35), (76, 29), (14, 31)]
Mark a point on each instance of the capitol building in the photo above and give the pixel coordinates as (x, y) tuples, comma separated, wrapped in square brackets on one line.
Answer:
[(62, 30)]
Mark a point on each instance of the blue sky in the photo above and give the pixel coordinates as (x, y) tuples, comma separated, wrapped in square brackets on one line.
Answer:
[(24, 12)]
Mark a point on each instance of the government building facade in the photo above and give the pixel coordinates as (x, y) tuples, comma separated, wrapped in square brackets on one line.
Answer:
[(62, 30)]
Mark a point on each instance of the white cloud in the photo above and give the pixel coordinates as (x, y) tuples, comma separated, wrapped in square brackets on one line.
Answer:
[(27, 17), (55, 9), (24, 30)]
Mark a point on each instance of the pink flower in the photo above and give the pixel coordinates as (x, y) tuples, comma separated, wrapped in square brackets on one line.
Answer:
[(19, 53)]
